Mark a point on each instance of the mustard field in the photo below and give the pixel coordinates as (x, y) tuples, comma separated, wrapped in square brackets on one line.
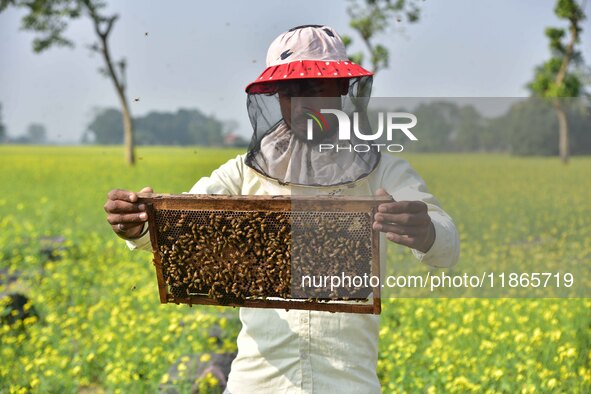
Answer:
[(96, 324)]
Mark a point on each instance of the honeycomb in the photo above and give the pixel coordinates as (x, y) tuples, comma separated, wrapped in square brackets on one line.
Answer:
[(232, 256)]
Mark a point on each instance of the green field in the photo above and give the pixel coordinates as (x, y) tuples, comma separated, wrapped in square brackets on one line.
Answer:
[(102, 328)]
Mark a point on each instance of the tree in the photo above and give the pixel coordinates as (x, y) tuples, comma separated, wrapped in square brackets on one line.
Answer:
[(372, 17), (435, 131), (106, 127), (530, 127), (2, 128), (471, 130), (184, 127), (36, 133), (49, 19), (554, 78)]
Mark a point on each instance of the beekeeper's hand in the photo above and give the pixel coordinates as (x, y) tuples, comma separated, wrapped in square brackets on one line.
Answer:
[(125, 215), (405, 222)]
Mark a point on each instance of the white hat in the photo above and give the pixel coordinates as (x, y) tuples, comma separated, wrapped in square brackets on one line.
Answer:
[(309, 51)]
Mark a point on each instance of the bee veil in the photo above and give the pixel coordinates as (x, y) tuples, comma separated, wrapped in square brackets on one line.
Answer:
[(295, 139)]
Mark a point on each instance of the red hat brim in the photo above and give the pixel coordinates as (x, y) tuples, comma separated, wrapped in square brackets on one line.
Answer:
[(304, 69)]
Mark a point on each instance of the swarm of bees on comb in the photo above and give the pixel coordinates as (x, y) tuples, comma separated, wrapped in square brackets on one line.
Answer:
[(233, 256)]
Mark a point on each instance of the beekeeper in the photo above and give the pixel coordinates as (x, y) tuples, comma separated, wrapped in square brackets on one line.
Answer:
[(310, 351)]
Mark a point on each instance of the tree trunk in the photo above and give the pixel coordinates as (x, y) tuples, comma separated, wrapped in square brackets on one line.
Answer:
[(103, 35), (128, 139), (563, 148), (559, 81)]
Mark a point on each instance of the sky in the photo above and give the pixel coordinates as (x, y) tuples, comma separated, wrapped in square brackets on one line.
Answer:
[(202, 54)]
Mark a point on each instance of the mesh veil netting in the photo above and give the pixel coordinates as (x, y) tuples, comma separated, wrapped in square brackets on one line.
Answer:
[(276, 152)]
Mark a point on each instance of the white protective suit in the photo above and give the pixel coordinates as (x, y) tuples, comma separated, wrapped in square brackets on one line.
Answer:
[(309, 351)]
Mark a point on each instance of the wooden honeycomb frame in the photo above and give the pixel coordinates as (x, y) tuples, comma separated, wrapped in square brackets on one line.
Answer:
[(160, 205)]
